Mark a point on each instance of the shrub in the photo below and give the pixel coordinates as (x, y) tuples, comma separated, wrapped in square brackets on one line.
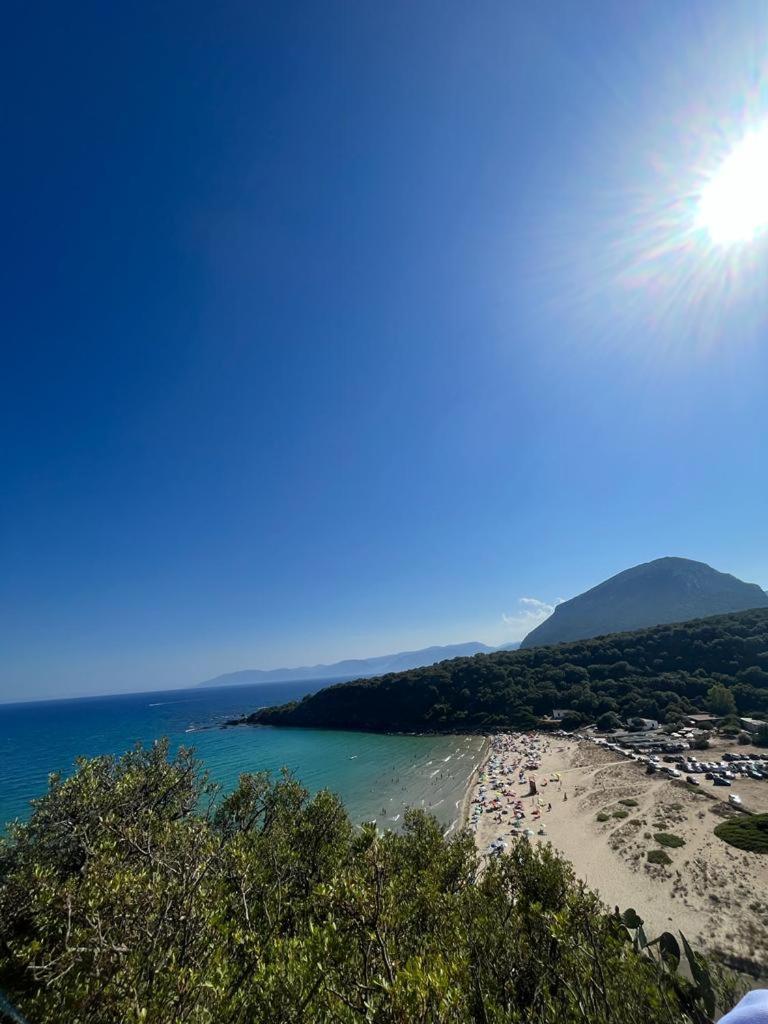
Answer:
[(602, 816), (658, 857), (745, 832), (620, 814), (608, 722), (744, 739), (669, 839), (629, 802)]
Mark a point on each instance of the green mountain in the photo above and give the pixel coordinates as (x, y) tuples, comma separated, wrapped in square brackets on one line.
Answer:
[(663, 672), (665, 590)]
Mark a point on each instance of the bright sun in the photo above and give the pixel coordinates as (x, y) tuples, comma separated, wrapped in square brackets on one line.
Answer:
[(733, 205)]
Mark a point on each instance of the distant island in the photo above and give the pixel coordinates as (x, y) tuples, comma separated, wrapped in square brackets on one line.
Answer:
[(667, 672), (664, 590), (356, 668)]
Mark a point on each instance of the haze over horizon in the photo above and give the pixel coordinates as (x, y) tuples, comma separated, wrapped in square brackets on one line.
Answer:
[(339, 331)]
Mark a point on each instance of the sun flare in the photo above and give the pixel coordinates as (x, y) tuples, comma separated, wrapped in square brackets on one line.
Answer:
[(733, 205)]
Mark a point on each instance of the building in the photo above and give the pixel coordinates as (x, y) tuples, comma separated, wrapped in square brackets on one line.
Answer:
[(560, 713), (704, 721), (750, 724), (644, 724)]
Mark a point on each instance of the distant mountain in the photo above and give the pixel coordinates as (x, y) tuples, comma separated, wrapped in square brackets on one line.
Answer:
[(665, 590), (356, 668)]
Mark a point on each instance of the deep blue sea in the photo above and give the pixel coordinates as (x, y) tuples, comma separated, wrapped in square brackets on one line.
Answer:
[(376, 776)]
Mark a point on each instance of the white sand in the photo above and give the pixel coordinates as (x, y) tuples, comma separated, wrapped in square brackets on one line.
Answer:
[(716, 895)]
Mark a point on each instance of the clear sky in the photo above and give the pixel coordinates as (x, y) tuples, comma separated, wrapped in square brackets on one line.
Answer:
[(333, 329)]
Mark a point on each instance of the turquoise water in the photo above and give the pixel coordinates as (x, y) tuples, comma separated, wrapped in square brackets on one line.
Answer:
[(376, 776)]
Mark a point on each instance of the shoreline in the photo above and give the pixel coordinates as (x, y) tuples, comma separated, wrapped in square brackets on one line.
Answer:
[(466, 800)]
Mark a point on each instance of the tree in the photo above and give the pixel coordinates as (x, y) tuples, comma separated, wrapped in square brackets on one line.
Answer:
[(720, 700), (608, 721)]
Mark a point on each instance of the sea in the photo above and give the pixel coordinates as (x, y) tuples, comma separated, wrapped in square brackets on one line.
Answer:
[(377, 776)]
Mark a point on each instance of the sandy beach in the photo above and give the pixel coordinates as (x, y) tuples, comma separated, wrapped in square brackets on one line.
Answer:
[(716, 895)]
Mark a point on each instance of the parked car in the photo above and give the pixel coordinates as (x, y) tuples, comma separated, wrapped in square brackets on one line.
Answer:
[(692, 780), (720, 781), (733, 798)]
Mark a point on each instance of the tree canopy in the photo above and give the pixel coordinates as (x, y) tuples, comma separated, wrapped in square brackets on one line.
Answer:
[(136, 894), (662, 673)]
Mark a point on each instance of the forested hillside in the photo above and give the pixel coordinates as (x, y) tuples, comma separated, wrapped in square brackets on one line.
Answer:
[(662, 672)]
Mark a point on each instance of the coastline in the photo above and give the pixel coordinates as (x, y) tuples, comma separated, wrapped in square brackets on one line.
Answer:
[(485, 752)]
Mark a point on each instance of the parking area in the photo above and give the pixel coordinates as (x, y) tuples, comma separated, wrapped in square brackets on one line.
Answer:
[(735, 774)]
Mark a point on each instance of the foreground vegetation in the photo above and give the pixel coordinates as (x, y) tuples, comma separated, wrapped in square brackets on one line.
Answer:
[(133, 896), (717, 664)]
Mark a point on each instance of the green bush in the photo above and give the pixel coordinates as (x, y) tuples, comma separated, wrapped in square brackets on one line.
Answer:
[(602, 816), (608, 722), (658, 857), (136, 894), (620, 814), (629, 802), (746, 832), (669, 839)]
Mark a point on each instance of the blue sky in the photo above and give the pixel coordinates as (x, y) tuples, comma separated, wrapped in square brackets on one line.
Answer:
[(335, 329)]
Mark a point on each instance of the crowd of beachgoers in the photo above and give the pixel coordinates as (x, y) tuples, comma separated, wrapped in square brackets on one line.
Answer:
[(511, 791)]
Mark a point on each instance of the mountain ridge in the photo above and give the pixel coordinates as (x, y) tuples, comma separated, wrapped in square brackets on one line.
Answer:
[(662, 591), (357, 668)]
